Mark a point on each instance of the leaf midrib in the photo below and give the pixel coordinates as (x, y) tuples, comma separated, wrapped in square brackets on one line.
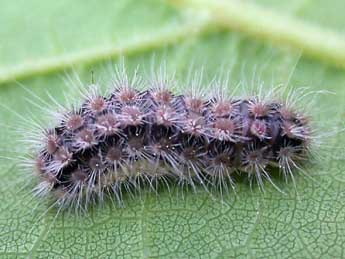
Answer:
[(162, 38), (282, 29), (239, 16)]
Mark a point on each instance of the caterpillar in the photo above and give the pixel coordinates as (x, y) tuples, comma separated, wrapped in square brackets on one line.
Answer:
[(130, 137)]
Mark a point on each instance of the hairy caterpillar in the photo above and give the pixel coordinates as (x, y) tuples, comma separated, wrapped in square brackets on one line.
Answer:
[(128, 138)]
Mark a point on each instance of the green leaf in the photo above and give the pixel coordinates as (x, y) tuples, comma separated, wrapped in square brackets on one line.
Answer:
[(40, 40)]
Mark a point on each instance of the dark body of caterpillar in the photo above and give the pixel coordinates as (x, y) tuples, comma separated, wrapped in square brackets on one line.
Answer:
[(131, 136)]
